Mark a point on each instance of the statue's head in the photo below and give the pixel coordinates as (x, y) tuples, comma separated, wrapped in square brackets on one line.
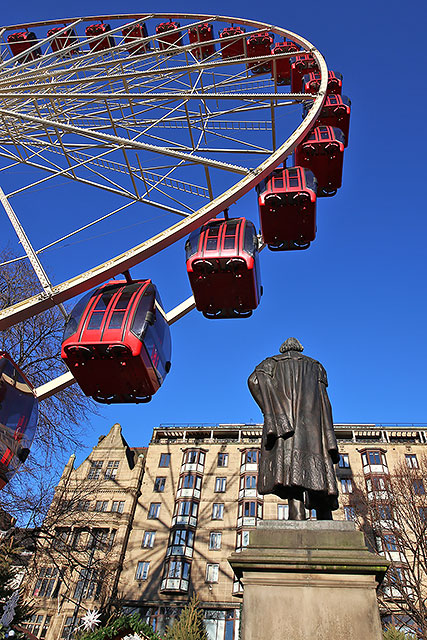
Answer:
[(291, 344)]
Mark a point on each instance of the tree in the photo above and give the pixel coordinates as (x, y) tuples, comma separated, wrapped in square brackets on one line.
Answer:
[(35, 346), (190, 624), (121, 626), (391, 633), (392, 512), (9, 552)]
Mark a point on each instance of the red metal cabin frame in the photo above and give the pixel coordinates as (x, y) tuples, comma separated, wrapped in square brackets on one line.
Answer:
[(170, 34), (311, 82), (281, 69), (222, 265), (21, 41), (18, 417), (132, 37), (335, 113), (301, 64), (202, 33), (287, 208), (259, 45), (110, 361), (102, 43), (322, 152), (63, 40), (233, 48)]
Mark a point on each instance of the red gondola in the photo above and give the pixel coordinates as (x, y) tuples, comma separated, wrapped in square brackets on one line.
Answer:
[(222, 264), (335, 113), (259, 45), (302, 64), (21, 41), (232, 48), (202, 33), (132, 37), (322, 152), (65, 39), (170, 34), (101, 44), (18, 418), (311, 82), (281, 69), (287, 208), (117, 343)]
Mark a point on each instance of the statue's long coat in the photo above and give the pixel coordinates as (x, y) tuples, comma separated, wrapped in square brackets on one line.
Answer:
[(299, 445)]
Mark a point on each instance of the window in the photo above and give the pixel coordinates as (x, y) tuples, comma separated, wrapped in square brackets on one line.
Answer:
[(142, 570), (182, 538), (154, 511), (217, 511), (34, 623), (418, 487), (88, 586), (249, 509), (220, 485), (384, 512), (215, 540), (62, 535), (95, 469), (350, 513), (250, 482), (390, 543), (373, 458), (98, 538), (282, 511), (194, 457), (165, 459), (118, 506), (45, 582), (242, 539), (76, 538), (376, 483), (101, 505), (111, 470), (190, 481), (111, 539), (411, 460), (346, 485), (186, 508), (212, 571), (178, 569), (83, 505), (423, 513), (159, 485), (68, 626), (222, 460), (45, 627), (148, 539), (191, 457), (344, 462), (251, 457)]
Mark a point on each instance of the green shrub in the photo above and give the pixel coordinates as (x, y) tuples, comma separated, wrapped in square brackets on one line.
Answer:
[(391, 633), (189, 625)]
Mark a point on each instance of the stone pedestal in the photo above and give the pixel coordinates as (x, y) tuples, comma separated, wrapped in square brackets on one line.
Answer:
[(311, 580)]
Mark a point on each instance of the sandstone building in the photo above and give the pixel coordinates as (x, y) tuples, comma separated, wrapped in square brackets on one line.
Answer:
[(151, 525)]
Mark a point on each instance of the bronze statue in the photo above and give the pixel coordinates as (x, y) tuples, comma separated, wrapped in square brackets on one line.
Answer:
[(299, 446)]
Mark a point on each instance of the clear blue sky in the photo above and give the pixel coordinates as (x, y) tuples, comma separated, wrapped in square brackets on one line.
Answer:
[(356, 299)]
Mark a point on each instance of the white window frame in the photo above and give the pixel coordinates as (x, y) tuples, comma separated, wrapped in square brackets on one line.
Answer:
[(212, 572), (142, 569)]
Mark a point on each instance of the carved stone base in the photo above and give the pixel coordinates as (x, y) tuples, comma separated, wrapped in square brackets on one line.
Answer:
[(311, 580)]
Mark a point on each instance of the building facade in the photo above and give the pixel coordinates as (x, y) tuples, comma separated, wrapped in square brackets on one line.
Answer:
[(150, 526)]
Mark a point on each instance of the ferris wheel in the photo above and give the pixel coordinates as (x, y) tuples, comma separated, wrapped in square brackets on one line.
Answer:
[(174, 113)]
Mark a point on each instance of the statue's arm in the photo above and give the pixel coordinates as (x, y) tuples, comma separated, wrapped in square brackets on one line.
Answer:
[(253, 385)]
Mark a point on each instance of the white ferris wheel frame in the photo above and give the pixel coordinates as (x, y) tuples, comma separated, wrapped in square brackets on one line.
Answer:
[(57, 294)]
